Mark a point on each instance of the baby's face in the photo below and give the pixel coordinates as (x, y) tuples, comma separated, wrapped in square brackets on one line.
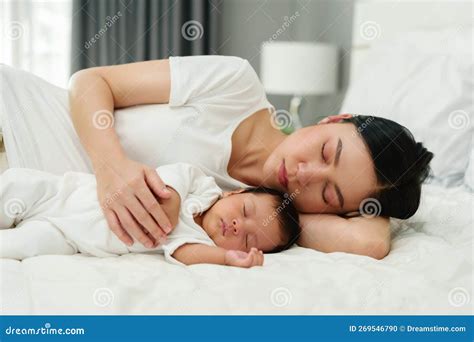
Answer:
[(242, 221)]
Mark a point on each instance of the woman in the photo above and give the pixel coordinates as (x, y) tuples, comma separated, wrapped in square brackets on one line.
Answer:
[(217, 116)]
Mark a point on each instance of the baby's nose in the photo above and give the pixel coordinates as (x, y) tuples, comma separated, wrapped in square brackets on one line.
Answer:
[(235, 226)]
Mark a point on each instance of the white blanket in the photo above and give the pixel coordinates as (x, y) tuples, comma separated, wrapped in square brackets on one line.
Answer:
[(429, 271)]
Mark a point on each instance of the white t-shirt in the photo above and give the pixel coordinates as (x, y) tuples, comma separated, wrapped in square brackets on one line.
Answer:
[(209, 97)]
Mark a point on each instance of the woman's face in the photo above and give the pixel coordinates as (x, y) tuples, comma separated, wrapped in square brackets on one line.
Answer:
[(327, 167)]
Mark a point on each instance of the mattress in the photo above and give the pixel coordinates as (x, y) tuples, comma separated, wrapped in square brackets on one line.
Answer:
[(428, 272)]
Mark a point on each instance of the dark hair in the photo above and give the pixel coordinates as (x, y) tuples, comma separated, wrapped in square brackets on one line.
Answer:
[(286, 214), (401, 164)]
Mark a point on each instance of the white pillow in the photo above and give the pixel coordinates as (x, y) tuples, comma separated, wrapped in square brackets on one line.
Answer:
[(424, 81), (469, 177)]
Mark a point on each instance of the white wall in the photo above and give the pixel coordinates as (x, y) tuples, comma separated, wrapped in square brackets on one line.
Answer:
[(247, 23)]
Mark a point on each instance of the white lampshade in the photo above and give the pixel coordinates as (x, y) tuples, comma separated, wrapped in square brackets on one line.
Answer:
[(299, 68)]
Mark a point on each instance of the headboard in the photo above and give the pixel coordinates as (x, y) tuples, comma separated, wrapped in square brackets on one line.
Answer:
[(376, 20)]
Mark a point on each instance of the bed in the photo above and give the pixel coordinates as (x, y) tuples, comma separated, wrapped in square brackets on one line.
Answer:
[(429, 270)]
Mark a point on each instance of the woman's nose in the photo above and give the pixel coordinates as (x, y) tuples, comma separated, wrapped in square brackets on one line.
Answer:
[(308, 173)]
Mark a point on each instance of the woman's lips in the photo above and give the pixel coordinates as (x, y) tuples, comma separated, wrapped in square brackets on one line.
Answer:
[(282, 175)]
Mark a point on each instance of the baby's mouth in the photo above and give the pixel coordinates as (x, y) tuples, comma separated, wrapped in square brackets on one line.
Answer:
[(223, 227)]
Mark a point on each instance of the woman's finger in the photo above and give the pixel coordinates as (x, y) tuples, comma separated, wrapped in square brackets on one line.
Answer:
[(132, 228), (156, 184), (116, 227), (152, 207), (142, 216)]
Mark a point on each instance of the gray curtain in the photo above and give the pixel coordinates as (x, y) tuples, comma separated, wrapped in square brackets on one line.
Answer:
[(106, 32)]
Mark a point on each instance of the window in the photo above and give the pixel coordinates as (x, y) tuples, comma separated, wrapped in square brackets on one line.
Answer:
[(36, 36)]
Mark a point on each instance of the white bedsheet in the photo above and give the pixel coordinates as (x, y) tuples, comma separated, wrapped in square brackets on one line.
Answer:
[(429, 271)]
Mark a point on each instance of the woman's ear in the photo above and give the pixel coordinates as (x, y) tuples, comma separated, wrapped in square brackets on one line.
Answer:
[(335, 118), (233, 192)]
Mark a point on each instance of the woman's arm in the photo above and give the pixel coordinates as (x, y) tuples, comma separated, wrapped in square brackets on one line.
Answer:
[(357, 235), (191, 254), (125, 188)]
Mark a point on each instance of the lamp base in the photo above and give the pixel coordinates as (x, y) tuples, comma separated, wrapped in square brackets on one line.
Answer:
[(295, 104)]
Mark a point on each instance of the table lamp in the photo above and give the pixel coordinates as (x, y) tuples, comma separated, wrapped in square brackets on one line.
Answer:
[(298, 69)]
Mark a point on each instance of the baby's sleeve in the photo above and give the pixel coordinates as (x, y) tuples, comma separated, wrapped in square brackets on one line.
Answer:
[(197, 191)]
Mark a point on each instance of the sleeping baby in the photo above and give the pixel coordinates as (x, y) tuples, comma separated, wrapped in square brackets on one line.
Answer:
[(49, 214)]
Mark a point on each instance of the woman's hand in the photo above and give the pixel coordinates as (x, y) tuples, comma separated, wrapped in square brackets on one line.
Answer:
[(126, 188), (126, 192), (171, 206), (244, 259)]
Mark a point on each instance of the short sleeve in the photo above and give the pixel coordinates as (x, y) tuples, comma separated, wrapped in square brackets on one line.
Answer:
[(226, 81), (191, 183)]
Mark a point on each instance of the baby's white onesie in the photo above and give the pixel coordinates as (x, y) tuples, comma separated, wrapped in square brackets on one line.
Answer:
[(42, 213)]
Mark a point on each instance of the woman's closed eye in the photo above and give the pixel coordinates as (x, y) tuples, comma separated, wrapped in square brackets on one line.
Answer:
[(326, 194), (329, 197), (324, 156), (323, 193)]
